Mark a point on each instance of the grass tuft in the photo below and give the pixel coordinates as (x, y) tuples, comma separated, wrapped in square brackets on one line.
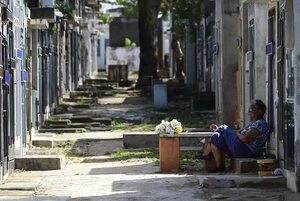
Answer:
[(127, 154), (187, 120), (186, 157)]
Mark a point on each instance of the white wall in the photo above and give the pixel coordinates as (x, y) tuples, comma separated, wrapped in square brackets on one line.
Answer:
[(296, 64), (104, 36), (123, 56), (166, 37)]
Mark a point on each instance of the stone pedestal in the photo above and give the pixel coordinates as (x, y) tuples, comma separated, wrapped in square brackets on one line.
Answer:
[(169, 153)]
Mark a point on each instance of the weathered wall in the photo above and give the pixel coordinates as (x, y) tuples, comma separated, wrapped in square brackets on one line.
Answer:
[(296, 64), (227, 15), (261, 30), (101, 52), (122, 27), (123, 56)]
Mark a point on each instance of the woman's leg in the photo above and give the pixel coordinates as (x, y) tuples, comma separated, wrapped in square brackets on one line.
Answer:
[(207, 147), (218, 155), (206, 153)]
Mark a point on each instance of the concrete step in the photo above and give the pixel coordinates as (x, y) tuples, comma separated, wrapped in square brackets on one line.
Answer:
[(40, 162), (73, 125), (140, 141), (125, 83), (100, 128), (43, 143), (104, 87), (54, 126), (81, 119), (59, 122), (189, 148), (103, 120), (86, 88), (81, 106), (84, 125), (242, 181), (44, 135), (47, 143), (95, 81), (243, 165), (152, 140), (81, 100), (108, 93), (19, 186), (69, 106), (117, 91), (76, 94), (60, 130)]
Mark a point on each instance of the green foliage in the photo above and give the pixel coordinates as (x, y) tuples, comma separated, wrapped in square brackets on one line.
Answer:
[(185, 13), (104, 18), (186, 157), (66, 144), (81, 130), (122, 124), (130, 7), (63, 6), (188, 121), (191, 120), (127, 154), (129, 43)]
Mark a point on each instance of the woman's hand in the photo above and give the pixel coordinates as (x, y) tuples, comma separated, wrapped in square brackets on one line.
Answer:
[(213, 127)]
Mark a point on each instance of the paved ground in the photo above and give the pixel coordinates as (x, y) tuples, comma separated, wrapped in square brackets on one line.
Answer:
[(92, 176), (95, 177)]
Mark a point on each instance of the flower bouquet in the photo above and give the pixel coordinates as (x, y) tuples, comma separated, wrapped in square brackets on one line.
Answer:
[(166, 127)]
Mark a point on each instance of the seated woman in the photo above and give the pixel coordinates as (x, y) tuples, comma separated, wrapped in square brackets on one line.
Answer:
[(242, 144)]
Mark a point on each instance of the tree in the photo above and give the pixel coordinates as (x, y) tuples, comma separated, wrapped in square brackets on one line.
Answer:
[(184, 12), (148, 12)]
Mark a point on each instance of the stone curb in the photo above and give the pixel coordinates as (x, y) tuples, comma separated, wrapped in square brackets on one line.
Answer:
[(19, 186), (40, 162), (231, 181)]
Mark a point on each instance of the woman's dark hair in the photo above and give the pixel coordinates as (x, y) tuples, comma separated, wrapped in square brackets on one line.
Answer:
[(261, 107)]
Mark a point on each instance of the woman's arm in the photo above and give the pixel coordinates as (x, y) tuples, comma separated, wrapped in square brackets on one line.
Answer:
[(249, 136)]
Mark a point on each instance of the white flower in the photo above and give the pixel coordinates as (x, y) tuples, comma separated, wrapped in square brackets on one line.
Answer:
[(174, 123), (173, 127), (160, 128)]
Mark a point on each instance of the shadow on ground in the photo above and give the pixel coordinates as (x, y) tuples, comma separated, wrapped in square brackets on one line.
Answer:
[(164, 188), (146, 168), (94, 147)]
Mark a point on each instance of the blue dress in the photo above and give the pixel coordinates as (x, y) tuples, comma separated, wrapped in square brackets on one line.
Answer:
[(227, 140)]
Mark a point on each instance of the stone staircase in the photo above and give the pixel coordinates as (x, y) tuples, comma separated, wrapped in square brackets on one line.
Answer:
[(86, 96), (75, 124), (65, 121)]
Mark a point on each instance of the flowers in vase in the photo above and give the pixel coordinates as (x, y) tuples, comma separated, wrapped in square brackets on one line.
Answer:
[(166, 127)]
